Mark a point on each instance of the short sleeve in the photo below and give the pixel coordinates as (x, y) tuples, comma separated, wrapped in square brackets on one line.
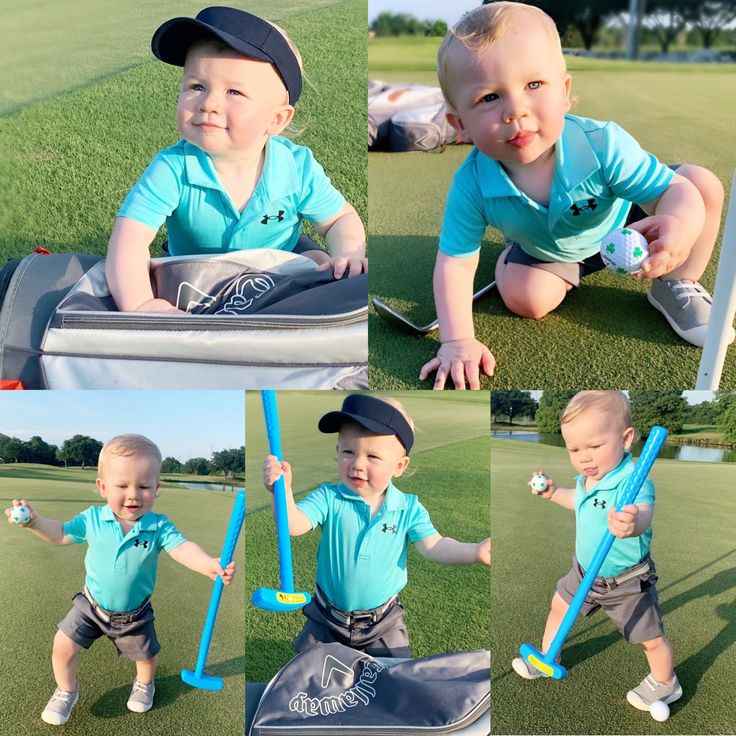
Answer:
[(316, 505), (319, 199), (76, 528), (156, 194), (464, 222), (631, 172), (420, 525), (169, 536)]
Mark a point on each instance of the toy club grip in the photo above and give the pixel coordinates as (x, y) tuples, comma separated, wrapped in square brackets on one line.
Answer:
[(649, 453), (237, 517)]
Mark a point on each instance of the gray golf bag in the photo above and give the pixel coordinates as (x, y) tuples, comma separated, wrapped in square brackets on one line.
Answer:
[(255, 319), (332, 689)]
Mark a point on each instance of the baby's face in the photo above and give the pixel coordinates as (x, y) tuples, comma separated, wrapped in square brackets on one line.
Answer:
[(366, 462), (129, 484), (229, 104), (596, 443), (511, 98)]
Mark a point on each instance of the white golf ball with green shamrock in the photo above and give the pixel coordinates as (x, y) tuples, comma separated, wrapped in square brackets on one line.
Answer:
[(624, 250)]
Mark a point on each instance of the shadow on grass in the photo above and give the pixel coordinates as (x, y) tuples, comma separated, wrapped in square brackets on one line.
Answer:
[(168, 689)]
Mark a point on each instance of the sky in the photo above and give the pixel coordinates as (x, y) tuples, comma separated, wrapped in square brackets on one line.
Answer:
[(184, 424), (450, 12)]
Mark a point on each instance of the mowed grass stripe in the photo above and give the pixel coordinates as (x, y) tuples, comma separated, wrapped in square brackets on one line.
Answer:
[(40, 580), (533, 542), (447, 608)]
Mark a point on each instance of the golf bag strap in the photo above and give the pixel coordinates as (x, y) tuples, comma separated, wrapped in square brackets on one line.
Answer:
[(350, 617), (114, 617)]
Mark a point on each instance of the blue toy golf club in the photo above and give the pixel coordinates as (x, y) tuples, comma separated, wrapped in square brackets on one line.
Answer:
[(545, 663), (284, 599), (198, 678)]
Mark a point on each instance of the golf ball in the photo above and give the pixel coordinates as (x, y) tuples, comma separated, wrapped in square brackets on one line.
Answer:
[(20, 514), (659, 710), (538, 483), (624, 250)]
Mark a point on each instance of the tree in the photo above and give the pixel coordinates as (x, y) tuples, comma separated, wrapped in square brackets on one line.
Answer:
[(229, 462), (197, 466), (667, 19), (585, 15), (709, 18), (40, 451), (80, 450), (513, 404), (727, 422), (551, 405), (13, 450), (666, 408), (171, 465)]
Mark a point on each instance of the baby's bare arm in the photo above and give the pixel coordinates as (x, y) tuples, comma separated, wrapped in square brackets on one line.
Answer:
[(449, 551), (49, 530), (345, 236), (126, 268)]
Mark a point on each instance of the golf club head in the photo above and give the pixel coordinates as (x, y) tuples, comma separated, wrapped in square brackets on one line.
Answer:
[(400, 322), (278, 601), (203, 682), (536, 659)]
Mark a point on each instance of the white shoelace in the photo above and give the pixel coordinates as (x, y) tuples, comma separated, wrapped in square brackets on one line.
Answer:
[(62, 695), (140, 687), (684, 290)]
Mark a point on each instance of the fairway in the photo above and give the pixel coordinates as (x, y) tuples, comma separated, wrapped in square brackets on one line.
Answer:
[(44, 579), (694, 552), (74, 142), (446, 607), (603, 334)]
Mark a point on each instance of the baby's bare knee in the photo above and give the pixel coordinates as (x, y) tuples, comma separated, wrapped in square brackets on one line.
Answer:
[(706, 182), (64, 646)]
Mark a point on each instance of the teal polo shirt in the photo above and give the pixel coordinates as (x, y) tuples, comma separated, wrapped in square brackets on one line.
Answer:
[(599, 171), (591, 519), (181, 188), (121, 569), (361, 562)]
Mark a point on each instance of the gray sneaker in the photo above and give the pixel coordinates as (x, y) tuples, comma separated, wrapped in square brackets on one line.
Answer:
[(59, 708), (649, 690), (524, 669), (686, 306), (141, 697)]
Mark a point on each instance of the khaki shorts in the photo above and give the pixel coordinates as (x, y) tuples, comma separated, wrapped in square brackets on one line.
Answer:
[(136, 640), (633, 605)]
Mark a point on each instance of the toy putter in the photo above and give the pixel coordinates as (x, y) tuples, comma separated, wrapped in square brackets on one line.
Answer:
[(284, 599), (545, 663), (198, 678)]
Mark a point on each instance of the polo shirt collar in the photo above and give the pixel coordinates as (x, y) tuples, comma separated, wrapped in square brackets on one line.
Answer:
[(279, 177), (575, 159), (394, 501), (613, 478)]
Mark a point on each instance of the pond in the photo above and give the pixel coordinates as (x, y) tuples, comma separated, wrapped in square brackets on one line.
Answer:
[(671, 452), (207, 486)]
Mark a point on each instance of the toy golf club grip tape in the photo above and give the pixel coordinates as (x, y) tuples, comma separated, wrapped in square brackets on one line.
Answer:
[(233, 531), (648, 455), (271, 415)]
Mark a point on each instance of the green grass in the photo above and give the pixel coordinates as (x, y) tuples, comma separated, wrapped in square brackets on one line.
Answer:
[(447, 607), (67, 161), (40, 580), (694, 552), (604, 334)]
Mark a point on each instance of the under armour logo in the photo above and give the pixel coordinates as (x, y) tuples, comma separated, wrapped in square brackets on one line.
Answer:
[(387, 528), (278, 218), (576, 210), (138, 543), (602, 504)]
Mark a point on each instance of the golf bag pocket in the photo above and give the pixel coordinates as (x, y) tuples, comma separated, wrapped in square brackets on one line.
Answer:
[(333, 689), (253, 319)]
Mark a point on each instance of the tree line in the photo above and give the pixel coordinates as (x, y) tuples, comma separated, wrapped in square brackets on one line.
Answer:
[(83, 451), (666, 408)]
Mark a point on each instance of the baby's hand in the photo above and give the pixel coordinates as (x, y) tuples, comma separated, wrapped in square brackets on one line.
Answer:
[(622, 523), (15, 502), (158, 305), (273, 470), (484, 551), (226, 573), (667, 247), (548, 492), (353, 265), (457, 359)]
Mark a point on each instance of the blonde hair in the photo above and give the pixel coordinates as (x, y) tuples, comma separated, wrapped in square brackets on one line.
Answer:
[(479, 28), (128, 445), (391, 401), (615, 403)]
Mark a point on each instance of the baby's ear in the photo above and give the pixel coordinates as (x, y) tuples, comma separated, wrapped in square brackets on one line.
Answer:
[(401, 466), (281, 118), (454, 119)]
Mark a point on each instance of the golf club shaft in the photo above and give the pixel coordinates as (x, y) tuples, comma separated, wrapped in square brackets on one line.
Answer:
[(228, 549), (271, 414), (648, 455)]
